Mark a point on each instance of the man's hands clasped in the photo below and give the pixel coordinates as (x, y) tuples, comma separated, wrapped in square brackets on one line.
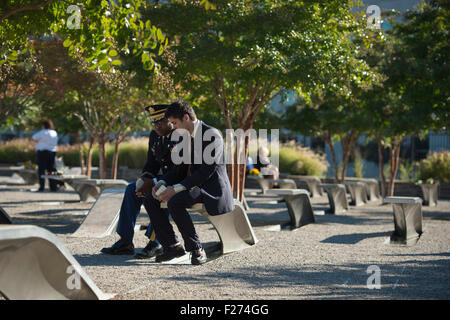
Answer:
[(165, 195), (144, 186)]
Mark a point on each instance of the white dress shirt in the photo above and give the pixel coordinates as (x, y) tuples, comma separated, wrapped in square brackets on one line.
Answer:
[(46, 139)]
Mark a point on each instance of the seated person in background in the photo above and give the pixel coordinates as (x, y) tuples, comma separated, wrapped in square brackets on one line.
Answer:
[(264, 166), (139, 192), (249, 165)]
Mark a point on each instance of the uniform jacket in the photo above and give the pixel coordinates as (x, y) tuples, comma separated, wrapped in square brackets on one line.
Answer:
[(158, 158)]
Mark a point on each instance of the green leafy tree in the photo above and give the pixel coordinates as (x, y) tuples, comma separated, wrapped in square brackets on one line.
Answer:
[(243, 54), (100, 31), (413, 96), (18, 84)]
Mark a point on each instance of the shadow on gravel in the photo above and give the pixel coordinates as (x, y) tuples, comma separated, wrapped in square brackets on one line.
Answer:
[(411, 279), (354, 237), (436, 215), (56, 225), (101, 259)]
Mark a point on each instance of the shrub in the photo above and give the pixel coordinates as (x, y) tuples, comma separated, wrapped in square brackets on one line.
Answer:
[(435, 166), (17, 150), (299, 160), (132, 153), (408, 171)]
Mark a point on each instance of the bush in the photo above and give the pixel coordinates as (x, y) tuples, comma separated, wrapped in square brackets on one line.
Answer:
[(132, 153), (299, 160), (435, 166), (17, 150)]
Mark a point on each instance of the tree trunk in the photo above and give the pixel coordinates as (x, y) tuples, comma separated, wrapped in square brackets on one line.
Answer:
[(89, 156), (243, 169), (394, 161), (381, 167), (333, 157), (115, 158), (80, 150), (347, 145), (102, 156)]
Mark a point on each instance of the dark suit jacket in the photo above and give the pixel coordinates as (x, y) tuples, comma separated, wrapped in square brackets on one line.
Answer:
[(208, 178)]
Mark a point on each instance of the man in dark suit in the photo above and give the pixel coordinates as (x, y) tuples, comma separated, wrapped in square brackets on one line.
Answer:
[(206, 182), (137, 193)]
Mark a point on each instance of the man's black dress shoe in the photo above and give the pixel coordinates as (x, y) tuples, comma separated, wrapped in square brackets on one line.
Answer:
[(170, 253), (198, 257), (151, 249), (121, 247)]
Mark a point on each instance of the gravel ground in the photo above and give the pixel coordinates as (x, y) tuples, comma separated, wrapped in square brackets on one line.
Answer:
[(325, 260)]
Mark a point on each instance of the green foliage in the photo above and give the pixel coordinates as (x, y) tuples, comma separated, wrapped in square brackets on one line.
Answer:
[(132, 153), (435, 166), (408, 171), (17, 150), (100, 31), (242, 54), (295, 159), (420, 71)]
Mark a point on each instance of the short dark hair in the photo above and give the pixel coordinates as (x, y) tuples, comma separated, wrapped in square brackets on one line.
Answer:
[(178, 109), (48, 124)]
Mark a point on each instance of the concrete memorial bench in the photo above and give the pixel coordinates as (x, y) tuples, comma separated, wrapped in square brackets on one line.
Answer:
[(337, 197), (430, 194), (233, 228), (311, 182), (35, 265), (66, 178), (264, 184), (284, 183), (30, 176), (102, 218), (298, 204), (372, 187), (358, 192), (407, 219), (4, 217), (90, 189)]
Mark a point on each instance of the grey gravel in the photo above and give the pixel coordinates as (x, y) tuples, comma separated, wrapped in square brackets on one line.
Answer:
[(325, 260)]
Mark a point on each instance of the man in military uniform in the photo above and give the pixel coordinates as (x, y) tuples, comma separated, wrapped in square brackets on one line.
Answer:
[(140, 192)]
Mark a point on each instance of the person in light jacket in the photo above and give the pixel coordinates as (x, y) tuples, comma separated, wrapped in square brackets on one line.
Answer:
[(46, 141)]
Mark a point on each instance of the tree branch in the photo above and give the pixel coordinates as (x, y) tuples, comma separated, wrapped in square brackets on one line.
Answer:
[(26, 8)]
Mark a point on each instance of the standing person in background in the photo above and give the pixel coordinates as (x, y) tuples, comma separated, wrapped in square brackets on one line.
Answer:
[(46, 141)]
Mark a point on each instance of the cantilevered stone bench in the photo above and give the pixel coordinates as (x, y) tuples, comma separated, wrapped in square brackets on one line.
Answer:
[(67, 178), (430, 194), (407, 219), (234, 228), (298, 205), (91, 188), (30, 176), (264, 184), (337, 197), (358, 192), (35, 265), (284, 183), (311, 182), (102, 218), (4, 217), (372, 187)]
